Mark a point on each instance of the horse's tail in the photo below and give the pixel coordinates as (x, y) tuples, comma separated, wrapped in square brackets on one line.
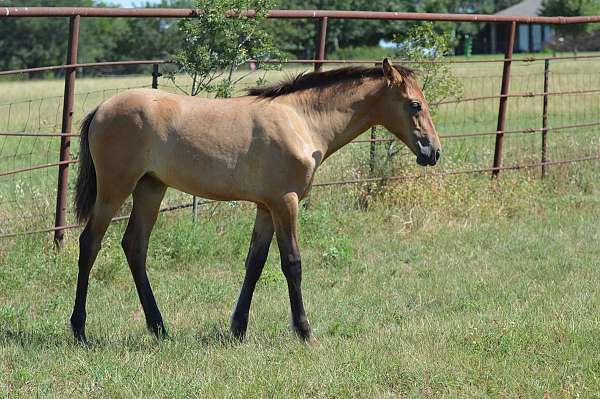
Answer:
[(85, 187)]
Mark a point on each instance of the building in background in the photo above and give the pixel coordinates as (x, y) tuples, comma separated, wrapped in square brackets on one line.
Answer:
[(530, 37)]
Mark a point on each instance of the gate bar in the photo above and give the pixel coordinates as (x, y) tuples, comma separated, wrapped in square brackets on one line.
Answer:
[(320, 44)]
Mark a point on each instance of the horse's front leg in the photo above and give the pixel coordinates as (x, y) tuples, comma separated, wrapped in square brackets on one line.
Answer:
[(285, 217), (255, 261)]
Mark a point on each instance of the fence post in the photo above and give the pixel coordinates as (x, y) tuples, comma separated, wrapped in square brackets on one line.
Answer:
[(194, 208), (320, 43), (545, 118), (155, 75), (510, 41), (372, 152), (65, 140)]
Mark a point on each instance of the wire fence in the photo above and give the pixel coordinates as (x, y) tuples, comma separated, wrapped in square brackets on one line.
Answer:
[(30, 136), (551, 117)]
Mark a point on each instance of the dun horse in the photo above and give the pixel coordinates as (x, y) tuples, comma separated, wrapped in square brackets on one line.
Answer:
[(264, 147)]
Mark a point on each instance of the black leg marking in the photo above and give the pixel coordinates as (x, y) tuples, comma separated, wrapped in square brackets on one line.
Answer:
[(292, 269), (89, 246), (255, 261), (147, 196)]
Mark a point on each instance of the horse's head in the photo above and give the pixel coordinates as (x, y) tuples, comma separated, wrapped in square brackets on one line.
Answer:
[(405, 113)]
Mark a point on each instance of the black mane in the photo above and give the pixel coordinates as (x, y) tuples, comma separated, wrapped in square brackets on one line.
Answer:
[(304, 81)]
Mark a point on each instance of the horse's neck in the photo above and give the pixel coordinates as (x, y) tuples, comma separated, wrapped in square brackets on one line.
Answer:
[(339, 114)]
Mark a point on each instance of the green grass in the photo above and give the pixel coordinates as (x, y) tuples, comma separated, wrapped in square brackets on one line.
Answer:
[(452, 287)]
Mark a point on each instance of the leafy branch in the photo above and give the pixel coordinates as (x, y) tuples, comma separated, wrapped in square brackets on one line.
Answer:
[(427, 48), (220, 40)]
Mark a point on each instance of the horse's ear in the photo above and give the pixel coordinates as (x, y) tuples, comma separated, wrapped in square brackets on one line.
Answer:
[(393, 77)]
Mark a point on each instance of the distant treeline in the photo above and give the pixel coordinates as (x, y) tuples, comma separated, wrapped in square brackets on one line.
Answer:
[(32, 42)]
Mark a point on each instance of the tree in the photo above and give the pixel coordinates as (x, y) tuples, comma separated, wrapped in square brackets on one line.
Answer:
[(116, 39), (427, 49), (571, 8), (33, 42), (217, 43), (297, 37), (459, 30)]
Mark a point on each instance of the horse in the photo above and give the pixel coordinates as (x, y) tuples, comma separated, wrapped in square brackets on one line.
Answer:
[(263, 147)]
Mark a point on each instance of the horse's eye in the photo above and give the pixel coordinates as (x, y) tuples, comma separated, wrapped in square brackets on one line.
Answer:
[(415, 106)]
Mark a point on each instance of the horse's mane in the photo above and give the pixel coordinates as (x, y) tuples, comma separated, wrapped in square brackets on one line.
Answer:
[(304, 81)]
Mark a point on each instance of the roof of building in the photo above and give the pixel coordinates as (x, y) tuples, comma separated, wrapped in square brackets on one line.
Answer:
[(527, 8)]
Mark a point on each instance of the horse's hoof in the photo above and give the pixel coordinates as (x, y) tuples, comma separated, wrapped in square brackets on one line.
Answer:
[(311, 341), (158, 330), (79, 339), (238, 330), (238, 335), (79, 335), (302, 330), (305, 336), (77, 323)]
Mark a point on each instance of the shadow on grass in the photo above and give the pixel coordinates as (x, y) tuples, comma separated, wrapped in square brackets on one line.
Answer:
[(214, 336), (32, 339), (210, 334)]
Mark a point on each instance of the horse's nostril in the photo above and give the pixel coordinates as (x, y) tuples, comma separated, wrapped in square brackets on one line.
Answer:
[(438, 154)]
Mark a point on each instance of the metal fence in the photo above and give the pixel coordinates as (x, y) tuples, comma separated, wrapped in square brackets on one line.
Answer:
[(552, 118)]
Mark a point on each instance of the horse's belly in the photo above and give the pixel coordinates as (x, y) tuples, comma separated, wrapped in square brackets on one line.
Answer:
[(210, 176)]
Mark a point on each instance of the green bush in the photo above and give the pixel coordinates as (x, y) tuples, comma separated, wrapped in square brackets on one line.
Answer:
[(217, 43)]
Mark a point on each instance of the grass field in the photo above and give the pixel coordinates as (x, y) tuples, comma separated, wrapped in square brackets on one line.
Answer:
[(443, 287)]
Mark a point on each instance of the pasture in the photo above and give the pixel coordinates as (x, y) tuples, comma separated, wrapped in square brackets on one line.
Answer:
[(27, 200), (451, 286)]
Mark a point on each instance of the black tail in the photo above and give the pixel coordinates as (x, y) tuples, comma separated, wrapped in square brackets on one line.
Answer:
[(85, 187)]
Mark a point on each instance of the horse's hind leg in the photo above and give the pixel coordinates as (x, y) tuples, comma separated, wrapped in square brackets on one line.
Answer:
[(147, 196), (89, 245), (257, 256)]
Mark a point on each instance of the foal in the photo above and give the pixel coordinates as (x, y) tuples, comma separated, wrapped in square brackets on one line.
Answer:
[(264, 148)]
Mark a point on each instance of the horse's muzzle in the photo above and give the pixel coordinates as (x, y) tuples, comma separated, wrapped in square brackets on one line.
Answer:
[(427, 155)]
